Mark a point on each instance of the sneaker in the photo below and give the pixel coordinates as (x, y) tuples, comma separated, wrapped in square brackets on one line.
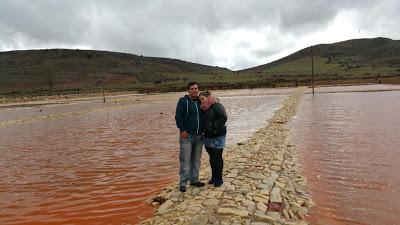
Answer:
[(197, 184), (182, 189), (211, 181)]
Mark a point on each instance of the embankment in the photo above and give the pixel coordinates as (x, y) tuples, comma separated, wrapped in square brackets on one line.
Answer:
[(263, 184)]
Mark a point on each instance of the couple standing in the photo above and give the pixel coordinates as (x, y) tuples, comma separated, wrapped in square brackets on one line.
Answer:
[(201, 120)]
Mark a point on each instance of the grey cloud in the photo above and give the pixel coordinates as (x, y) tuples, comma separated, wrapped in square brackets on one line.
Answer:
[(44, 21), (383, 19), (180, 28), (262, 53)]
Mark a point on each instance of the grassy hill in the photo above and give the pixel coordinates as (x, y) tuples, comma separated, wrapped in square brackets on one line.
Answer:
[(57, 71), (359, 59), (66, 71)]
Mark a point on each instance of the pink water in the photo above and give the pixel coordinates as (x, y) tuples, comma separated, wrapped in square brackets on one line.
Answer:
[(89, 162), (349, 145)]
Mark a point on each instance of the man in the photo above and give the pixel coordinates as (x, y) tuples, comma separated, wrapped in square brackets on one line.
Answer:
[(188, 120)]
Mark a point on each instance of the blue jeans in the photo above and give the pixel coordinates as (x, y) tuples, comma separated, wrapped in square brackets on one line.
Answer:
[(189, 159)]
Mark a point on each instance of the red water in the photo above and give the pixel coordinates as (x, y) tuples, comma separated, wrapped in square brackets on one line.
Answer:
[(95, 163), (349, 145), (86, 169)]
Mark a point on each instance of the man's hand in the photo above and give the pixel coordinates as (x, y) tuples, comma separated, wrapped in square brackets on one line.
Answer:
[(184, 135)]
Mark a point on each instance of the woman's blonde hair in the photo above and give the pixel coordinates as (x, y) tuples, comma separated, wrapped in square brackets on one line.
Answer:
[(205, 93)]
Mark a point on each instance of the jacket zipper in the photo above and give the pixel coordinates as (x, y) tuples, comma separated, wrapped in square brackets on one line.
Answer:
[(198, 122)]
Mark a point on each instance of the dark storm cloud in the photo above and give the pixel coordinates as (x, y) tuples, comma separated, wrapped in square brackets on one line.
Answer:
[(189, 30)]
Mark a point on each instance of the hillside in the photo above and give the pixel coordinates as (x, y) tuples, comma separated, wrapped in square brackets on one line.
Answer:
[(69, 70), (58, 71), (376, 58)]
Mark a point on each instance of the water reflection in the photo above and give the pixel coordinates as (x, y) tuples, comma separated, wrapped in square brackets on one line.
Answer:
[(349, 146)]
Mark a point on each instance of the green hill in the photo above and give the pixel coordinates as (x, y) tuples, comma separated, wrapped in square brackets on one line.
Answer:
[(64, 71), (358, 59), (57, 71)]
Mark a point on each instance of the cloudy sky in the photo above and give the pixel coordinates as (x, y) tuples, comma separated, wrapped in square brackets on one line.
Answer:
[(235, 34)]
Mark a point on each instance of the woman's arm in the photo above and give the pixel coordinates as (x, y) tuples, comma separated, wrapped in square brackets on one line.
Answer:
[(221, 116)]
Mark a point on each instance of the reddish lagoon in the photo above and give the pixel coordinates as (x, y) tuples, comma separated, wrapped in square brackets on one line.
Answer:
[(89, 162), (349, 145)]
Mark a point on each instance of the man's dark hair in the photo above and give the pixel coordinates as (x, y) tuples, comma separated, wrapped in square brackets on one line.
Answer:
[(191, 83)]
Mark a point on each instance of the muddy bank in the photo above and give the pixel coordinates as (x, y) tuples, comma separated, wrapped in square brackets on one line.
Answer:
[(263, 184)]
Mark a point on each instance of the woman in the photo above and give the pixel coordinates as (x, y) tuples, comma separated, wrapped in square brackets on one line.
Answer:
[(214, 119)]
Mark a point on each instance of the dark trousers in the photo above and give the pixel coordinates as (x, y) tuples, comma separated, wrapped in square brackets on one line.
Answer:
[(216, 162)]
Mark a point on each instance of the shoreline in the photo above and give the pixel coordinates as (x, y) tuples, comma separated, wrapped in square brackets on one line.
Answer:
[(24, 101), (262, 182), (54, 99)]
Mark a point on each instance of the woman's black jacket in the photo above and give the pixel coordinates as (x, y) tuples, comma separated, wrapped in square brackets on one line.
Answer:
[(214, 120)]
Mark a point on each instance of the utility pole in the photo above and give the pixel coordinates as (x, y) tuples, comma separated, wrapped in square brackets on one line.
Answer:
[(312, 69), (104, 97)]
